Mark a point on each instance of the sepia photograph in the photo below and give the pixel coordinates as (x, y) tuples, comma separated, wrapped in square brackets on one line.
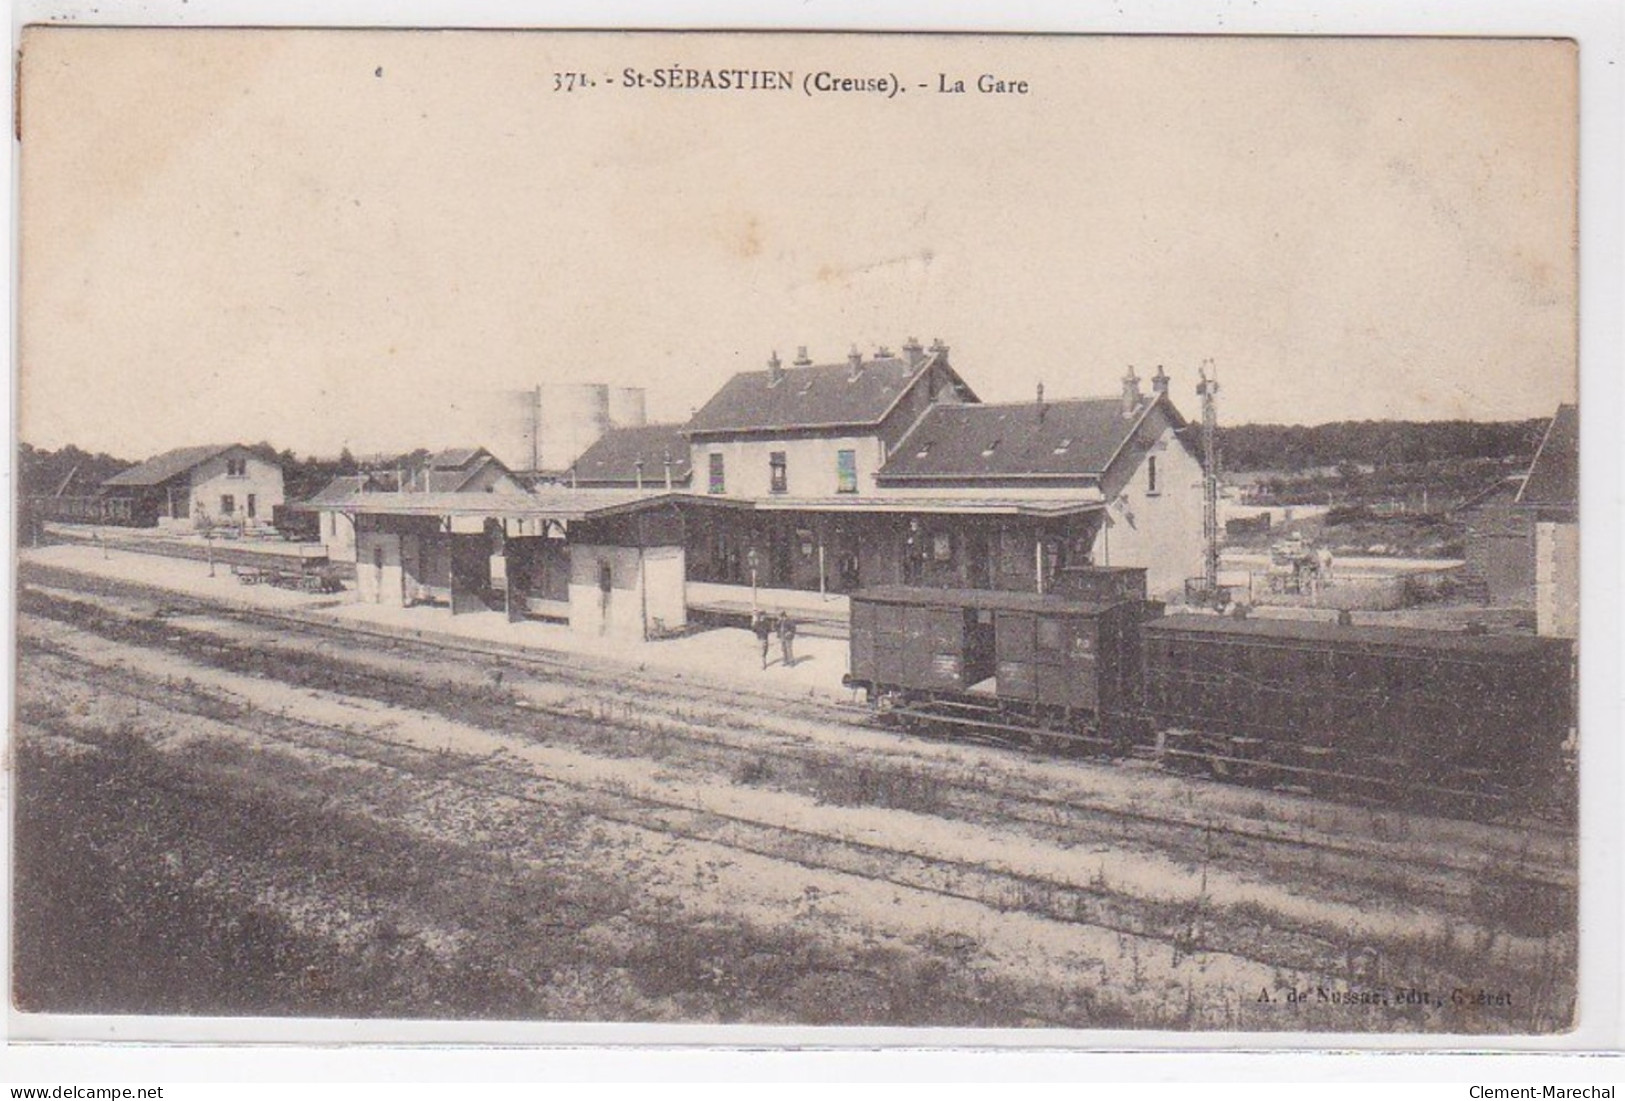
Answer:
[(1049, 534)]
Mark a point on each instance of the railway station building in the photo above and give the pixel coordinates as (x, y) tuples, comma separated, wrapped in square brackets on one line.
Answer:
[(890, 471), (820, 478)]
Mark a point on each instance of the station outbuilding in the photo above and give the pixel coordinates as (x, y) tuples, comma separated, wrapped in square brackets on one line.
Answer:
[(211, 485)]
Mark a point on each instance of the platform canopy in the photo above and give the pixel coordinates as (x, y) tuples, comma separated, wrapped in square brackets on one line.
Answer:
[(990, 505), (543, 503)]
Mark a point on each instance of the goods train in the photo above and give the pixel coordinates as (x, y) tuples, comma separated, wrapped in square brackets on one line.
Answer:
[(1378, 713)]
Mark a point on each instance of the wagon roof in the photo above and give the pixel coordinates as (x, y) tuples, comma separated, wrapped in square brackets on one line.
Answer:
[(1409, 638), (980, 599)]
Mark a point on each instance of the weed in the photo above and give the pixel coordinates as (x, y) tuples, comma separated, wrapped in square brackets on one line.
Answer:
[(900, 788), (753, 771)]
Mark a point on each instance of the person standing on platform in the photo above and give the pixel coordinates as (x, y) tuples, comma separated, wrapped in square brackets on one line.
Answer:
[(787, 638), (763, 630)]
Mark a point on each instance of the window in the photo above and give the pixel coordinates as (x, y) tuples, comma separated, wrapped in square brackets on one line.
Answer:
[(236, 468), (846, 471), (249, 506), (718, 483), (1151, 474), (228, 504), (779, 480)]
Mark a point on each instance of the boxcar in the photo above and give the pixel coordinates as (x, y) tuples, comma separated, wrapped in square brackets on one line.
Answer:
[(1015, 666), (1367, 710)]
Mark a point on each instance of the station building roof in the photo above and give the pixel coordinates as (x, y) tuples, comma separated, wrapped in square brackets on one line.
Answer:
[(613, 459), (823, 396), (1020, 440), (170, 464)]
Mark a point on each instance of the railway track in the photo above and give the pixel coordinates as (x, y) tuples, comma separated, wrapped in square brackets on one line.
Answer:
[(1181, 928), (730, 731)]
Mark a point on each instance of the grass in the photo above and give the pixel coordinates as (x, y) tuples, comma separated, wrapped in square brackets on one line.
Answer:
[(861, 785)]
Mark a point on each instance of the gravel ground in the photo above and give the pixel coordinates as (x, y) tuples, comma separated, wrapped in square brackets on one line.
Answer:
[(537, 873)]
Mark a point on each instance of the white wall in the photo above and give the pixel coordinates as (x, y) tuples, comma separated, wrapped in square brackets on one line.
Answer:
[(1557, 579), (210, 483), (375, 585), (655, 589), (1161, 531), (665, 581), (809, 466), (338, 535)]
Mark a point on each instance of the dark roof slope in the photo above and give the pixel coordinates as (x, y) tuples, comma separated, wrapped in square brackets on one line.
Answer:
[(809, 397), (341, 486), (614, 458), (161, 468), (1554, 476), (453, 458), (1013, 440)]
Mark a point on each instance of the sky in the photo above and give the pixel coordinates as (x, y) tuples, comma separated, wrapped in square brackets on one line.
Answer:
[(342, 238)]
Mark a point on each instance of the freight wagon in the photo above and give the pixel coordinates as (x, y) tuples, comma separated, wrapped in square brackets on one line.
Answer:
[(1367, 710), (1048, 670), (1364, 712)]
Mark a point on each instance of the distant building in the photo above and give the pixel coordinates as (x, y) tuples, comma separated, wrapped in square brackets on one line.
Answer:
[(1551, 495), (1522, 534), (200, 486), (460, 470), (1499, 545)]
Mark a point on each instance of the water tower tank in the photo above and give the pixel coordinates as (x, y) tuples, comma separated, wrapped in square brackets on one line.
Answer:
[(626, 407), (570, 417), (504, 423)]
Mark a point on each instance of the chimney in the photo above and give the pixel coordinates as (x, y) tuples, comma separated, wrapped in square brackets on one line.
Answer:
[(915, 353), (1040, 403), (883, 352), (854, 361), (1131, 392), (775, 369), (939, 349), (802, 358), (1159, 381), (668, 471), (638, 466)]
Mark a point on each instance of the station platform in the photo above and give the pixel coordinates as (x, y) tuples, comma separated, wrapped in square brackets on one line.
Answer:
[(269, 551), (819, 615)]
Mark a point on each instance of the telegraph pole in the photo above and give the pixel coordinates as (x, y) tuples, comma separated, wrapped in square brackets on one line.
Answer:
[(1208, 389)]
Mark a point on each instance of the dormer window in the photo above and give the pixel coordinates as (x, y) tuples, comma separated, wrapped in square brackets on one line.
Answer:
[(988, 451)]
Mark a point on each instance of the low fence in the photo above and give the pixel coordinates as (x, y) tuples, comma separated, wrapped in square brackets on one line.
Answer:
[(114, 511)]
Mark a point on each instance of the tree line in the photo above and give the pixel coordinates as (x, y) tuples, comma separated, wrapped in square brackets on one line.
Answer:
[(1293, 448), (1244, 447)]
